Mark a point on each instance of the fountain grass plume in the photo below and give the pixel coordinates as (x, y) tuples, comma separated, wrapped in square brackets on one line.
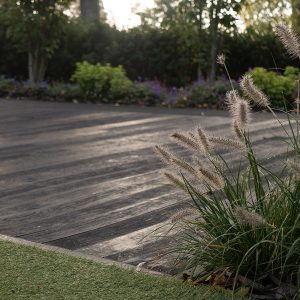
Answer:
[(185, 141), (227, 142), (246, 217), (289, 39), (174, 180), (293, 167), (253, 92), (204, 140), (242, 113)]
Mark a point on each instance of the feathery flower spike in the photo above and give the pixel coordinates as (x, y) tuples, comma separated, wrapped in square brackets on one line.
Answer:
[(246, 217), (231, 99), (242, 113), (293, 167), (204, 140), (221, 59), (227, 142), (211, 177), (253, 92), (289, 39), (238, 132), (174, 179), (185, 141), (182, 165), (165, 155)]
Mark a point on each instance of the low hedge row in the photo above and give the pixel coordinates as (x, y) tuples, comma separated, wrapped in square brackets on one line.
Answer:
[(106, 84)]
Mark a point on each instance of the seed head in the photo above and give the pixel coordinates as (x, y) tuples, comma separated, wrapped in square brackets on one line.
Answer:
[(185, 141), (289, 39), (246, 217), (253, 92), (237, 130), (231, 99), (211, 177), (204, 140), (181, 164), (164, 154), (242, 113), (174, 179), (221, 59), (293, 166), (227, 142)]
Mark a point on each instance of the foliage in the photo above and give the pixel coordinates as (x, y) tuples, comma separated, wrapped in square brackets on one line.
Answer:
[(244, 225), (175, 56), (260, 14), (55, 91), (280, 88), (102, 81), (191, 15), (208, 96), (36, 27), (6, 86)]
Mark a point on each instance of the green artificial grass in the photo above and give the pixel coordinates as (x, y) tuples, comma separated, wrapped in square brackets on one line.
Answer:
[(30, 273)]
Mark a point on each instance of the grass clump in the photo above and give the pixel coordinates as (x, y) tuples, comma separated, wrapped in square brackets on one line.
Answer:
[(246, 232)]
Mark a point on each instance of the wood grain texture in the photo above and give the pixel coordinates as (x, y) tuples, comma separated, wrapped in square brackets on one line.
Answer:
[(85, 177)]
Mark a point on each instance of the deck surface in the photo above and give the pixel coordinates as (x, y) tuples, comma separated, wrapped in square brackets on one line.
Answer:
[(85, 177)]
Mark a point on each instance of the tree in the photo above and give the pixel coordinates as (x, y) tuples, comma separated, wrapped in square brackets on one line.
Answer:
[(36, 27), (91, 10), (260, 15), (204, 16)]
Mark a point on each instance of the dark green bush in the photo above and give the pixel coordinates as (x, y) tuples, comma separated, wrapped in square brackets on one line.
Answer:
[(64, 92), (102, 81), (209, 96), (6, 86), (279, 87)]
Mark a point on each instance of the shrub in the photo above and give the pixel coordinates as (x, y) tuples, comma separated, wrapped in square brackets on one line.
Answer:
[(6, 86), (211, 96), (144, 93), (280, 88), (243, 228), (102, 81), (64, 92)]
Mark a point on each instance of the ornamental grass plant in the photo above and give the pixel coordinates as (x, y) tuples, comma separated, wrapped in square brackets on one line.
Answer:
[(244, 227)]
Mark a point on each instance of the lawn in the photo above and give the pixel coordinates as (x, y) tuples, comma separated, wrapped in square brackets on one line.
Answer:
[(31, 273)]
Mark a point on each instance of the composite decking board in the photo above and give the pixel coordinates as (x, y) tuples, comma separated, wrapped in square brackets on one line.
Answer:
[(84, 129), (116, 229), (86, 163), (85, 207), (104, 190), (85, 178), (34, 197), (78, 175), (88, 216), (45, 150), (92, 219)]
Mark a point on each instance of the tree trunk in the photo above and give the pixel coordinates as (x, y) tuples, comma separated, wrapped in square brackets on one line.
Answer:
[(214, 32), (90, 10), (37, 65), (213, 52), (200, 6)]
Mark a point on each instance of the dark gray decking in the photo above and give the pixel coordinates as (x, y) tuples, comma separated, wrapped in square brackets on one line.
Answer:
[(85, 177)]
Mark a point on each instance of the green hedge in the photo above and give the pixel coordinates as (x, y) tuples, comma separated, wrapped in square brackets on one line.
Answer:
[(281, 88), (102, 81)]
